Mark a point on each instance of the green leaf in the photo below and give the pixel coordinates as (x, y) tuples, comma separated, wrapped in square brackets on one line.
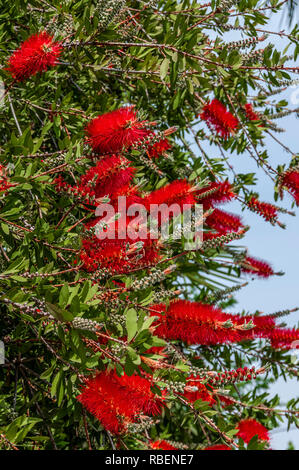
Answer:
[(58, 313), (164, 68), (131, 323)]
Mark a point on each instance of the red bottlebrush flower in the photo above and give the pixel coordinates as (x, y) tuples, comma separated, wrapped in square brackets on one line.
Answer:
[(258, 267), (224, 221), (108, 177), (84, 193), (217, 116), (162, 445), (36, 54), (290, 179), (159, 148), (232, 376), (284, 338), (225, 401), (264, 323), (197, 323), (112, 254), (250, 113), (178, 193), (215, 193), (266, 210), (114, 131), (217, 447), (211, 236), (117, 401), (4, 184), (248, 428), (195, 390)]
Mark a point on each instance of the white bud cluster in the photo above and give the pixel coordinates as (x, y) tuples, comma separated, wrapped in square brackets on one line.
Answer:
[(108, 11), (225, 5), (153, 278), (117, 318), (86, 324), (164, 294), (177, 387), (146, 423), (30, 310), (243, 44)]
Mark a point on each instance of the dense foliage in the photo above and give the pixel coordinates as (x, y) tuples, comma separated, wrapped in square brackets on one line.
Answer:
[(130, 344)]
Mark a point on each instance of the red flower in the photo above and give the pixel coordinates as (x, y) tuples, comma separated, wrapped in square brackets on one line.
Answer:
[(113, 255), (162, 445), (248, 428), (197, 323), (216, 116), (195, 390), (4, 184), (114, 131), (109, 176), (232, 376), (266, 210), (216, 192), (258, 267), (36, 54), (285, 339), (159, 148), (117, 401), (290, 179), (217, 447), (224, 221), (178, 193), (250, 113), (86, 194)]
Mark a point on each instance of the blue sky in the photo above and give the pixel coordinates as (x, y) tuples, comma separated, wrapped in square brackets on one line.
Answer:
[(274, 244)]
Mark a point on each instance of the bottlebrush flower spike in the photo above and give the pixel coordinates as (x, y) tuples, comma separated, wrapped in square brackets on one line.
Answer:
[(290, 179), (178, 193), (112, 254), (284, 338), (159, 148), (197, 323), (195, 390), (218, 447), (224, 221), (232, 376), (217, 240), (266, 210), (255, 266), (117, 401), (250, 113), (36, 54), (248, 428), (217, 116), (216, 192), (84, 194), (4, 184), (116, 130), (110, 176), (162, 445)]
